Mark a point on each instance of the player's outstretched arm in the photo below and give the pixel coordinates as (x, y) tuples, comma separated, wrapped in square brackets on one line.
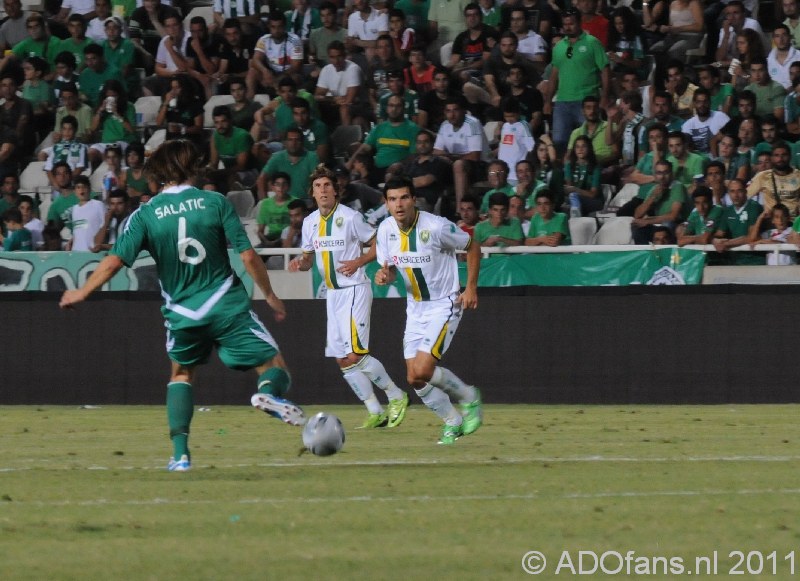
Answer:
[(107, 268), (469, 298), (258, 272)]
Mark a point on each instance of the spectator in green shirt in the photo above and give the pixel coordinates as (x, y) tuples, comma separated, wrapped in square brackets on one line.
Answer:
[(685, 165), (704, 220), (548, 227), (664, 205), (231, 146), (499, 230)]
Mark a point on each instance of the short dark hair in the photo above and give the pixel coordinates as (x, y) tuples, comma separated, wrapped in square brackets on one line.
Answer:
[(118, 193), (470, 199), (277, 16), (13, 215), (399, 183), (702, 192), (717, 164), (232, 23), (70, 120), (670, 235), (66, 58), (498, 199), (281, 175), (296, 203), (299, 103), (221, 111), (82, 179), (94, 49), (69, 87), (337, 45)]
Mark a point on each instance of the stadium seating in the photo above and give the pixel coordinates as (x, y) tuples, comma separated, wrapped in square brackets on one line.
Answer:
[(342, 138), (242, 200), (148, 107), (615, 231), (96, 179), (582, 230), (33, 177), (207, 12), (445, 53), (208, 108)]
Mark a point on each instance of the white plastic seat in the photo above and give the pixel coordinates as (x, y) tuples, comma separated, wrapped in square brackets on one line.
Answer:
[(582, 230), (242, 201), (615, 231), (208, 108), (253, 213), (96, 179), (699, 52), (625, 195), (207, 12), (445, 53), (33, 176), (262, 99), (148, 107), (155, 140), (490, 129)]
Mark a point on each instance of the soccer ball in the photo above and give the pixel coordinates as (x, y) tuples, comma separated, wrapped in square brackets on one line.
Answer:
[(323, 434)]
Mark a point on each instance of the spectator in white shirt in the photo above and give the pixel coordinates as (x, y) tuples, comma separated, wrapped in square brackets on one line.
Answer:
[(364, 25), (340, 89), (781, 57)]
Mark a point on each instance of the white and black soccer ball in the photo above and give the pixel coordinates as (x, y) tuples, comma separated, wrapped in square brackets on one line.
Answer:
[(323, 434)]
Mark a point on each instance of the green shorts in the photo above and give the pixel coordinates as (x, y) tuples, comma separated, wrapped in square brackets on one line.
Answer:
[(242, 342)]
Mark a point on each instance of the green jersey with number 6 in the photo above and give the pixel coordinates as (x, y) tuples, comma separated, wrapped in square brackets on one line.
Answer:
[(186, 231)]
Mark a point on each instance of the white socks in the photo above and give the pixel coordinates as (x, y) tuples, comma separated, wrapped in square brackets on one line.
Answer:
[(452, 385), (440, 404), (376, 372), (362, 387)]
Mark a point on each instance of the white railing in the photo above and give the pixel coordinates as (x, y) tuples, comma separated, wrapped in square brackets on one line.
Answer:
[(289, 253)]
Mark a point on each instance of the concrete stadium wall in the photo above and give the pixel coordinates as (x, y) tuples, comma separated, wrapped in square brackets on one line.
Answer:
[(720, 344)]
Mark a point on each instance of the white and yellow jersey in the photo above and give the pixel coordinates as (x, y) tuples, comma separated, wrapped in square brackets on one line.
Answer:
[(336, 237), (424, 254)]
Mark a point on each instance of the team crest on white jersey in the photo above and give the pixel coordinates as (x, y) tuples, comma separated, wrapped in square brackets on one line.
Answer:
[(425, 235), (339, 222)]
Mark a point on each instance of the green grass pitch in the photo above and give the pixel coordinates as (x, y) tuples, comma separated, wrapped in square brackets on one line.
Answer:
[(84, 494)]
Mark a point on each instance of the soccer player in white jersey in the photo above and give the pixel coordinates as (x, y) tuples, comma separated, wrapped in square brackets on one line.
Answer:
[(186, 231), (336, 234), (422, 247)]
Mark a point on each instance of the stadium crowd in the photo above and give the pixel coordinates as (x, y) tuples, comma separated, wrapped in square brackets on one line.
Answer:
[(513, 119)]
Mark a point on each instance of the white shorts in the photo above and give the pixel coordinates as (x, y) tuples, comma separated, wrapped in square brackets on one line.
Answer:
[(430, 326), (348, 320)]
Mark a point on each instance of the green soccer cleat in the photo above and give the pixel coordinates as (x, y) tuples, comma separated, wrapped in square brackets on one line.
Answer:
[(396, 410), (374, 421), (472, 413), (450, 434)]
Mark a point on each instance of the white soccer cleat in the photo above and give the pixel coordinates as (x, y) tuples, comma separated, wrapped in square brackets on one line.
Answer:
[(279, 408), (182, 465)]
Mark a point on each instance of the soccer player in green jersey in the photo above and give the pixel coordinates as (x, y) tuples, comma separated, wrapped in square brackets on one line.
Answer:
[(186, 231)]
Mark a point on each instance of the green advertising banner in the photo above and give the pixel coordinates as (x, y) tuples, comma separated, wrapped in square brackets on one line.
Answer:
[(57, 271), (661, 266)]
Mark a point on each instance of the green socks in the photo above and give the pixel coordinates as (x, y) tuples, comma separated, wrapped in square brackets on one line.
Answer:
[(274, 381), (180, 408)]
